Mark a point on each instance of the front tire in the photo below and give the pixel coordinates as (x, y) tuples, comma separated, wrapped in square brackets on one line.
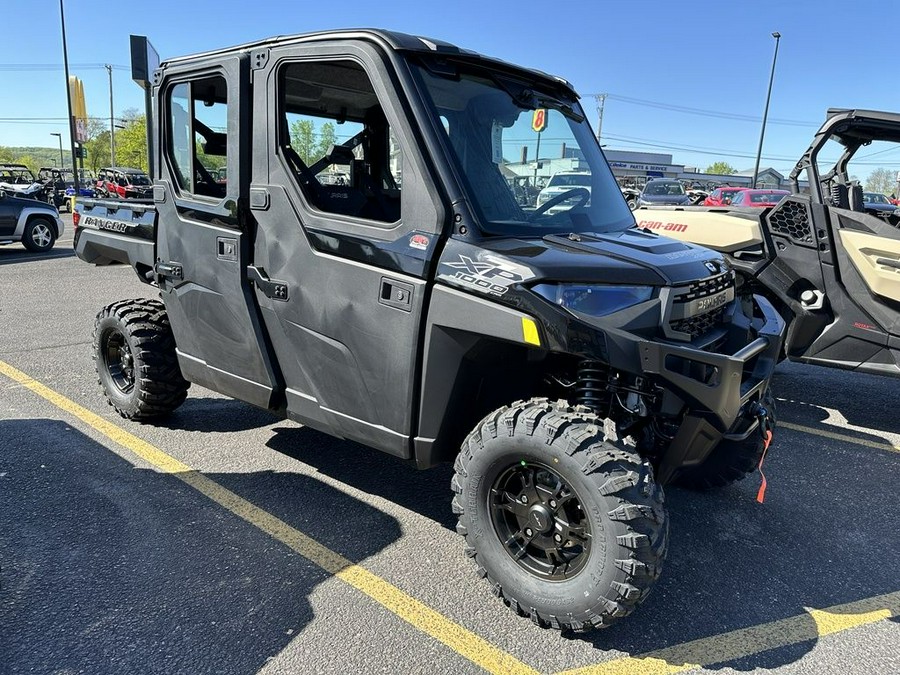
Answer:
[(134, 354), (39, 235), (564, 520)]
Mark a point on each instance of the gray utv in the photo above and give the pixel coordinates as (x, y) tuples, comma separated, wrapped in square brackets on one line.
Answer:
[(366, 269)]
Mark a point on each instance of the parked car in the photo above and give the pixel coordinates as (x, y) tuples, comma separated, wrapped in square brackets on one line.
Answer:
[(758, 198), (877, 204), (124, 183), (721, 196), (576, 184), (36, 224), (663, 192)]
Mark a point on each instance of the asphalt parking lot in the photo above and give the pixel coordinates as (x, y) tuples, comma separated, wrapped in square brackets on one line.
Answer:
[(227, 541)]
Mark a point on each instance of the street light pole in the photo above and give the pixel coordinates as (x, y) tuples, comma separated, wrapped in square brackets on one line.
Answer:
[(62, 19), (59, 136), (762, 131), (112, 128)]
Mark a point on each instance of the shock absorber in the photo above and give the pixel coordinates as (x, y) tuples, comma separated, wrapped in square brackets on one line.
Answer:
[(590, 388)]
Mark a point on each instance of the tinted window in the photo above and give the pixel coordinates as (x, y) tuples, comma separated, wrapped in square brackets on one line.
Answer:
[(657, 189), (197, 142), (337, 141)]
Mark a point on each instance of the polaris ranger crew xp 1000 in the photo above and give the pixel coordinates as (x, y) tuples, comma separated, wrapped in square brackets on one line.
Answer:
[(365, 269)]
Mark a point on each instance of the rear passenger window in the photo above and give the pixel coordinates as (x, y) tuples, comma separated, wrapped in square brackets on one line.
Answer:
[(197, 141), (337, 142)]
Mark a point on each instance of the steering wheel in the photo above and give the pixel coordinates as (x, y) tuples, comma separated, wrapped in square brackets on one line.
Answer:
[(582, 193)]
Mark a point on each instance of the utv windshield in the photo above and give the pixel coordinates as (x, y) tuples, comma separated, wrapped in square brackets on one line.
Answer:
[(508, 138), (138, 179), (660, 189), (570, 180)]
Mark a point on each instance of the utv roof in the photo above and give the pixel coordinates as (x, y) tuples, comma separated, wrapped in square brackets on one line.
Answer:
[(854, 124), (851, 127), (390, 40)]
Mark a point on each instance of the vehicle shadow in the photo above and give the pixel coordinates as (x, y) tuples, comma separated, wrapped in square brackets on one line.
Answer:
[(19, 254), (215, 414), (109, 568), (424, 492), (817, 541)]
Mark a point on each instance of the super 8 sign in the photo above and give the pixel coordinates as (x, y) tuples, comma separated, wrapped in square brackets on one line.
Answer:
[(539, 119)]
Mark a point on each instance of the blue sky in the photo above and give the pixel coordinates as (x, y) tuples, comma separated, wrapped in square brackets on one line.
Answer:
[(654, 58)]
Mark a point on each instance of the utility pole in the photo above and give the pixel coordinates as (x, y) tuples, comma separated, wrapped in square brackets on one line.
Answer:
[(601, 101), (112, 128), (762, 131), (62, 20), (59, 136)]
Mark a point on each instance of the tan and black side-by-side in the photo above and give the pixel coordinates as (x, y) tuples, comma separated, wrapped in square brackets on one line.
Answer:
[(822, 256)]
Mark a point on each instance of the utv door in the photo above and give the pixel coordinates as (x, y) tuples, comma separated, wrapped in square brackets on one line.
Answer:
[(347, 226), (204, 245)]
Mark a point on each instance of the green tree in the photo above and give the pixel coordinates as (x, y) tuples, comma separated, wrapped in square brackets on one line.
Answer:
[(721, 168), (131, 143), (883, 181), (327, 138), (97, 145), (303, 139)]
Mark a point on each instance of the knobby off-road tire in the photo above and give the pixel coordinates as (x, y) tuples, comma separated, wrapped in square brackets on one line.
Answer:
[(583, 484), (39, 235), (729, 461), (134, 354)]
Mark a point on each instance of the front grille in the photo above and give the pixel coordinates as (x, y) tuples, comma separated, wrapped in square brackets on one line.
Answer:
[(691, 316), (705, 287), (697, 326)]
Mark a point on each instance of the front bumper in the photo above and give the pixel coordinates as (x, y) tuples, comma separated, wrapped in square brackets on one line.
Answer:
[(717, 388)]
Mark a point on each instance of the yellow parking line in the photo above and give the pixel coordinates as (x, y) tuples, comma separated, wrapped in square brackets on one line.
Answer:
[(815, 623), (463, 641), (839, 437)]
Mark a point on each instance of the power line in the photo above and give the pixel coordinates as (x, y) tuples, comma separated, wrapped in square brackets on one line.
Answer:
[(694, 149), (36, 67), (704, 112)]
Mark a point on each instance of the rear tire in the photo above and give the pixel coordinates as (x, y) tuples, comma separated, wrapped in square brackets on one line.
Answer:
[(564, 520), (729, 461), (134, 354), (39, 235)]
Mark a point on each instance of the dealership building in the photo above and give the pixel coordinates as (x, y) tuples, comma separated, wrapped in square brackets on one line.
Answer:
[(633, 169), (636, 168)]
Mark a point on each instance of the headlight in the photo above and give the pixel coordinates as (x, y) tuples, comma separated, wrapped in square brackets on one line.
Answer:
[(593, 299)]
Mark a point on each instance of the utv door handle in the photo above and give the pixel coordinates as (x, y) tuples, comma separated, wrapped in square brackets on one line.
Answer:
[(171, 269), (887, 262), (272, 288)]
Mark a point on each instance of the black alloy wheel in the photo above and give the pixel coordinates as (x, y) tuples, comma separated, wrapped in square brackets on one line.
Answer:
[(136, 362), (540, 519), (119, 361)]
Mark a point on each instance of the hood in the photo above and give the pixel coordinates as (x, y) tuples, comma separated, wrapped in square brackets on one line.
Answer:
[(631, 257), (29, 203), (675, 200), (878, 206)]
